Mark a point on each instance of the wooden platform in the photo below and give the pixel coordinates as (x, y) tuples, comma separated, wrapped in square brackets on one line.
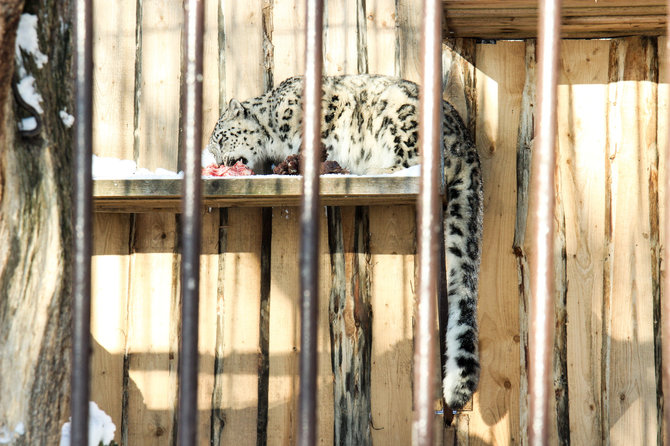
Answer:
[(512, 19), (149, 195)]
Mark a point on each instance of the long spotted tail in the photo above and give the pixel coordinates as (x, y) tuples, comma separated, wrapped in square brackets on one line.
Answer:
[(462, 231)]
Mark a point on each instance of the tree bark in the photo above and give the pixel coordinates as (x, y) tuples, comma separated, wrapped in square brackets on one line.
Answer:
[(35, 232)]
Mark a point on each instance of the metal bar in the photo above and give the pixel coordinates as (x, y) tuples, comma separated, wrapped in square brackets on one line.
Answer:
[(541, 221), (665, 298), (191, 220), (309, 223), (428, 230), (82, 206)]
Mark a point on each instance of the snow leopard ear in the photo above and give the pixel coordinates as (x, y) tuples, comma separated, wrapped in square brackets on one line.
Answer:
[(235, 108)]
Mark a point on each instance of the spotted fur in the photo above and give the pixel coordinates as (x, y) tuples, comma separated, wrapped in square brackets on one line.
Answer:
[(370, 126)]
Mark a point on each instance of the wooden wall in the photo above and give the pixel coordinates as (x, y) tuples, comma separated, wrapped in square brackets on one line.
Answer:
[(612, 115)]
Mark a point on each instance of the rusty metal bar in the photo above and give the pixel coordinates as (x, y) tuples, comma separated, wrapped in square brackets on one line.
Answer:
[(190, 220), (309, 223), (82, 205), (541, 223), (665, 298), (428, 226)]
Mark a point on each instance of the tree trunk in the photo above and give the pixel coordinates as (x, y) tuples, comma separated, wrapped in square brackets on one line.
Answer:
[(35, 232)]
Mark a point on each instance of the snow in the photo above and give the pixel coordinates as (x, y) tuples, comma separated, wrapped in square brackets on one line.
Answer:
[(114, 169), (27, 91), (28, 124), (207, 158), (68, 119), (413, 171), (6, 437), (26, 40), (100, 428)]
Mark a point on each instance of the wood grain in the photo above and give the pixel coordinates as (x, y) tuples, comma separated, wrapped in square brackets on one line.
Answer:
[(284, 328), (392, 251), (582, 124), (151, 195), (240, 305), (288, 38), (210, 258), (242, 52), (153, 323), (381, 37), (662, 142), (518, 19), (500, 83), (109, 312), (159, 83), (113, 78), (630, 378)]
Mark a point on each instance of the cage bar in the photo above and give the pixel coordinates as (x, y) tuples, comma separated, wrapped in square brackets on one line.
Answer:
[(541, 221), (82, 206), (428, 226), (309, 223), (191, 220), (665, 302)]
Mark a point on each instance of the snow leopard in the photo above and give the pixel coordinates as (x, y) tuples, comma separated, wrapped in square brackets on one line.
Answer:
[(369, 125)]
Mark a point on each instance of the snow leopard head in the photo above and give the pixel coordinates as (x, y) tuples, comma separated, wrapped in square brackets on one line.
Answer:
[(237, 136)]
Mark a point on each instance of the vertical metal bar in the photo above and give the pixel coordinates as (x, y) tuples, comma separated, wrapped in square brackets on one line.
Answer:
[(82, 203), (541, 220), (309, 223), (428, 231), (191, 220), (665, 302)]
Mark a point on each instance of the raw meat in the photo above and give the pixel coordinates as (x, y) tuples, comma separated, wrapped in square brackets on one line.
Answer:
[(236, 170)]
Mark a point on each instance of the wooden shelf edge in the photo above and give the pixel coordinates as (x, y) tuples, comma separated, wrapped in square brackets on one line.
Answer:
[(158, 195)]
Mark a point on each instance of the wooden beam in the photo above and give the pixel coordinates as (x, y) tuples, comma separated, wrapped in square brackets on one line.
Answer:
[(518, 19), (154, 194)]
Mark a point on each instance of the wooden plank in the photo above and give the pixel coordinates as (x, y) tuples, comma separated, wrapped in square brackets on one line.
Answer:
[(350, 316), (518, 19), (153, 322), (113, 78), (284, 328), (288, 38), (210, 71), (207, 336), (240, 302), (235, 397), (392, 250), (630, 385), (458, 67), (284, 336), (159, 84), (532, 4), (109, 300), (500, 82), (381, 37), (582, 123), (243, 64), (340, 37), (663, 199), (408, 36), (526, 133), (149, 195)]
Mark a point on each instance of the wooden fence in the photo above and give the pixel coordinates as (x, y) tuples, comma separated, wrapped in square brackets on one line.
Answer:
[(612, 113)]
